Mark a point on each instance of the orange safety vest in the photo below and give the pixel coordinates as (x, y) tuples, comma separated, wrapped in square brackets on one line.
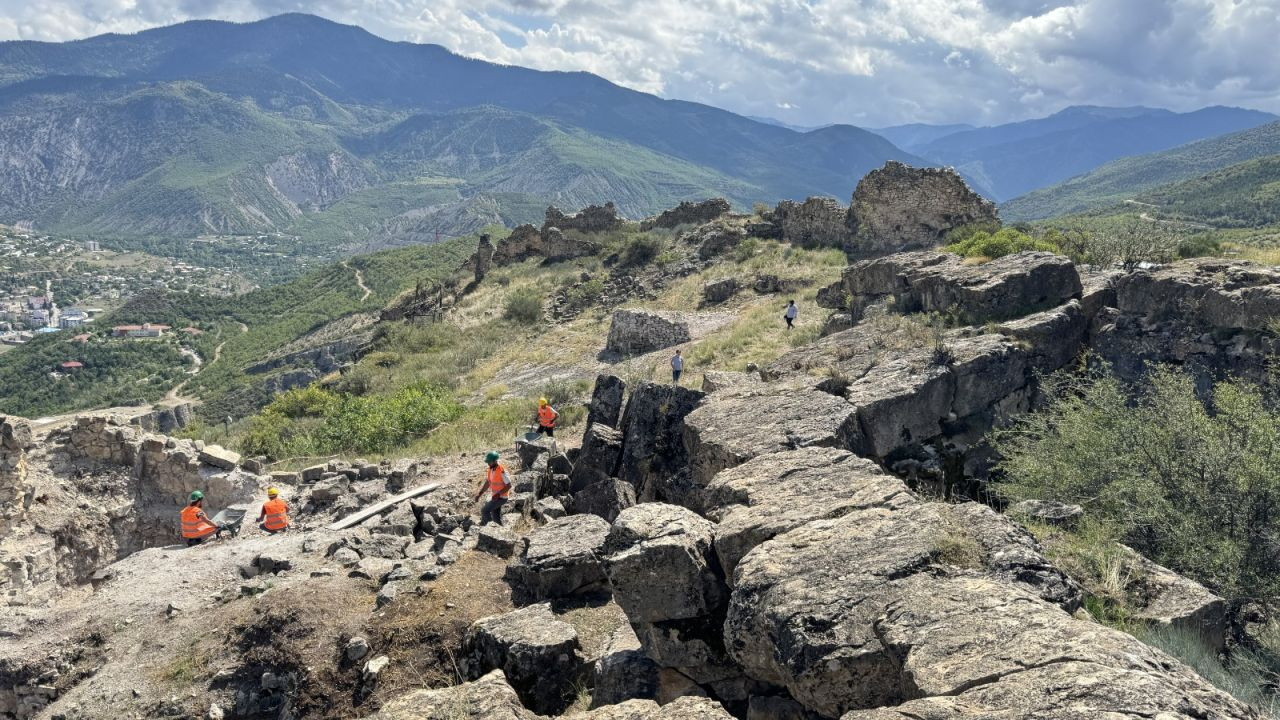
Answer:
[(276, 514), (498, 486), (195, 524), (547, 416)]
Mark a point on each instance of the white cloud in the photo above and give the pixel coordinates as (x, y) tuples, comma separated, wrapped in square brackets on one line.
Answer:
[(870, 61)]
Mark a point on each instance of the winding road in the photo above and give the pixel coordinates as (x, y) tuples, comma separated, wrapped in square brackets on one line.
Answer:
[(359, 282)]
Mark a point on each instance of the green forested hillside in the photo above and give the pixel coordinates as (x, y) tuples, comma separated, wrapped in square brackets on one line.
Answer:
[(238, 332), (1244, 195), (1128, 177)]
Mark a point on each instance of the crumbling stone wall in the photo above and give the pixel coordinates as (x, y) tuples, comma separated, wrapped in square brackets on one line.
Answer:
[(817, 222), (15, 492), (591, 219), (899, 207), (688, 213)]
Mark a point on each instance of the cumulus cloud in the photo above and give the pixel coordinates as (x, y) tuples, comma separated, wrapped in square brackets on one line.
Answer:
[(808, 62)]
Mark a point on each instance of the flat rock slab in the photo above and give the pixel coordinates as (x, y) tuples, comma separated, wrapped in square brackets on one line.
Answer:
[(537, 652), (729, 429), (660, 564), (489, 698), (774, 493), (560, 559)]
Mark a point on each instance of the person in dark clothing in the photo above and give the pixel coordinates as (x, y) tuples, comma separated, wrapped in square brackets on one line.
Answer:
[(498, 483), (677, 367)]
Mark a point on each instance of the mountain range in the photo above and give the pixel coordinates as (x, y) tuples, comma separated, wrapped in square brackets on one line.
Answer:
[(340, 141), (215, 127), (1010, 160)]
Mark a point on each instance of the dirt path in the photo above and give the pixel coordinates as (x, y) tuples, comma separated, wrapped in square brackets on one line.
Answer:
[(1145, 216), (359, 281)]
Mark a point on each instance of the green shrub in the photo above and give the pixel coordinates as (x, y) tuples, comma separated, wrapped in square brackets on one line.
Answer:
[(641, 250), (315, 421), (984, 244), (587, 293), (1195, 489), (523, 306)]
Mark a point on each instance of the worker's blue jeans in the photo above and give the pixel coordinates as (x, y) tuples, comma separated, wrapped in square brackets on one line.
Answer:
[(492, 510)]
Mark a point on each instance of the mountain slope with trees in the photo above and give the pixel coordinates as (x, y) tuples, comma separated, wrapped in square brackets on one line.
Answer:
[(1125, 178), (221, 128)]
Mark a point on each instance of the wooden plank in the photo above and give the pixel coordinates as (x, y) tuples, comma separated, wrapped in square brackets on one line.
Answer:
[(372, 510)]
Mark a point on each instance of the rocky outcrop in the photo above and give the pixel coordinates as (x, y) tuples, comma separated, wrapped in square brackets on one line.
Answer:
[(729, 428), (654, 458), (482, 260), (560, 559), (899, 207), (660, 564), (590, 219), (605, 498), (16, 440), (636, 332), (488, 698), (1049, 512), (550, 244), (598, 459), (1008, 287), (688, 213), (1209, 316), (1164, 597), (816, 222), (605, 406), (774, 493), (719, 290), (714, 239), (538, 654), (623, 672), (164, 419)]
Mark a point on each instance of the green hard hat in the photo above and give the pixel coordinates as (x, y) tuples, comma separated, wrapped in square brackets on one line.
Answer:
[(491, 456), (196, 495)]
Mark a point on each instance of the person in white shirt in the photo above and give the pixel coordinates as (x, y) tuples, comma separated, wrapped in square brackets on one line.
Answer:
[(790, 314), (677, 367)]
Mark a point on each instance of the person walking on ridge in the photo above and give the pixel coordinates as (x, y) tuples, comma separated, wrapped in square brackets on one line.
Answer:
[(498, 483), (547, 416), (274, 516), (677, 367), (196, 526), (790, 314)]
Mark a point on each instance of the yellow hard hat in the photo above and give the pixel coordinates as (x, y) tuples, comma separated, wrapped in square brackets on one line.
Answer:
[(272, 492), (542, 401)]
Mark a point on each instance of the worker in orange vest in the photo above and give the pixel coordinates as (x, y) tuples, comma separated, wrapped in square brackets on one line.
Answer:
[(275, 513), (196, 526), (498, 483), (547, 417)]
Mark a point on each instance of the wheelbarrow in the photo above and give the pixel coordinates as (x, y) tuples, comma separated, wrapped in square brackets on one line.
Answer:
[(230, 518)]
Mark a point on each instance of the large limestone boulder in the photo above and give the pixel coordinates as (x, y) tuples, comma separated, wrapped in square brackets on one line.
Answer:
[(598, 458), (682, 708), (537, 652), (605, 406), (774, 493), (1167, 598), (903, 402), (899, 207), (661, 565), (636, 332), (972, 647), (488, 698), (654, 458), (560, 559), (623, 672), (1215, 292), (728, 429), (606, 498), (1008, 287)]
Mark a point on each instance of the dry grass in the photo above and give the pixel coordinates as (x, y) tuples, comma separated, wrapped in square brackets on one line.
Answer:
[(423, 633)]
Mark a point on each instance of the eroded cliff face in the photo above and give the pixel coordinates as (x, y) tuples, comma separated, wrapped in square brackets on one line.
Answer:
[(792, 559)]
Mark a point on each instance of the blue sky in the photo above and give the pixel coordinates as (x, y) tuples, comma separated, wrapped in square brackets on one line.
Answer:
[(808, 62)]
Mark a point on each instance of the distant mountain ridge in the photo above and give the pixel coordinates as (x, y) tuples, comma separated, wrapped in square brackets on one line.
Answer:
[(218, 127), (1016, 158), (1128, 177)]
